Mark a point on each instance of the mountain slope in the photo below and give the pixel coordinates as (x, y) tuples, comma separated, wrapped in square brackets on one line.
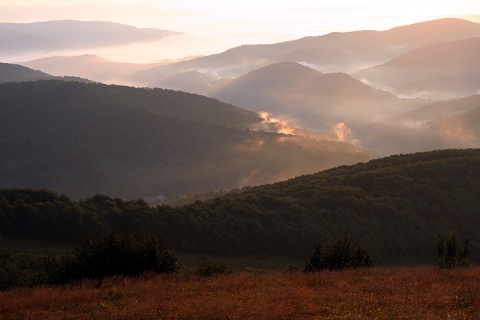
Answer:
[(319, 101), (396, 205), (443, 70), (81, 139)]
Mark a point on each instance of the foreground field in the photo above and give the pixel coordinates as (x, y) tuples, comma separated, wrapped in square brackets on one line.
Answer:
[(378, 293)]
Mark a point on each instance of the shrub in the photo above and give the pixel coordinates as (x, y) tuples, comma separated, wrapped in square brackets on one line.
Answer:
[(26, 270), (115, 253), (206, 269), (344, 253), (449, 252)]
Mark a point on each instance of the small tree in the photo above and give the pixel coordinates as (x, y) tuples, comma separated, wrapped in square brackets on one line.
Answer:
[(449, 252), (344, 253)]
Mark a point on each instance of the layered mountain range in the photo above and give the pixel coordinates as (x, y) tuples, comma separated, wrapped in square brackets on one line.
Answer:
[(307, 105), (335, 52)]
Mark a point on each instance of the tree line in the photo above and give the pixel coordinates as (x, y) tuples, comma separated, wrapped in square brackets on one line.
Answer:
[(395, 205)]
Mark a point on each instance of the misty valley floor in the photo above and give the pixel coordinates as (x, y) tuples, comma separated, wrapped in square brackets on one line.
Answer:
[(377, 293)]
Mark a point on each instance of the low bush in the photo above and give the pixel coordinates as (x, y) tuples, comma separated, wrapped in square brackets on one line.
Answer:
[(124, 254), (344, 253), (113, 254), (206, 269)]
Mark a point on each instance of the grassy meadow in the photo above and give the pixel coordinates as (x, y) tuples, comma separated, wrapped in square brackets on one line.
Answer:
[(375, 293)]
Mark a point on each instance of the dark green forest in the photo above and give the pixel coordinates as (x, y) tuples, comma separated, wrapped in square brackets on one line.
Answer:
[(396, 206), (86, 138)]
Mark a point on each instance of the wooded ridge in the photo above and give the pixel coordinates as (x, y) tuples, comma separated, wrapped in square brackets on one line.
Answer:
[(395, 205)]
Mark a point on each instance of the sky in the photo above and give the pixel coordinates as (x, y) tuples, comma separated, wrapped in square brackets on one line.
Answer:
[(213, 26)]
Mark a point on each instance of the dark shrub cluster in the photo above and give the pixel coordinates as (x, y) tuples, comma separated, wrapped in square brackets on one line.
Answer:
[(344, 253), (123, 254), (450, 254), (206, 269)]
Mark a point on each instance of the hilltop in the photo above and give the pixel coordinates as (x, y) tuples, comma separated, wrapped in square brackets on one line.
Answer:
[(319, 101)]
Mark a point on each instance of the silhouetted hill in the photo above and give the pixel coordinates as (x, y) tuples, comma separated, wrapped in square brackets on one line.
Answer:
[(82, 139), (334, 52), (445, 124), (17, 73), (442, 70), (71, 34), (396, 206), (291, 91)]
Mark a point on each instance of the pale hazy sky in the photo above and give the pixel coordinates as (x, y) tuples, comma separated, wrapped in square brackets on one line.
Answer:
[(213, 26)]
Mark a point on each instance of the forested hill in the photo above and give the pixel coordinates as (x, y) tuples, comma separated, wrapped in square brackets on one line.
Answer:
[(170, 103), (395, 205), (86, 138), (17, 73)]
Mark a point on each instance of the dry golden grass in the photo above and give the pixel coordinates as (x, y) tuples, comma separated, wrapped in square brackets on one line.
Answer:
[(378, 293)]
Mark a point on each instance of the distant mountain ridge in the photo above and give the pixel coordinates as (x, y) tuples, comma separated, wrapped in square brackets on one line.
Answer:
[(89, 66), (333, 52), (72, 34), (445, 70)]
